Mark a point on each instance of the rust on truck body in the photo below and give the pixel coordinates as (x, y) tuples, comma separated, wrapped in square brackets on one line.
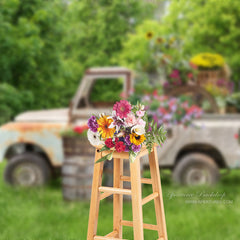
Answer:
[(46, 136)]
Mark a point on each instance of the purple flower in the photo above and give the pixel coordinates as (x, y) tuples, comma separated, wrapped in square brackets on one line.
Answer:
[(92, 124), (221, 82), (127, 140), (136, 148), (126, 148)]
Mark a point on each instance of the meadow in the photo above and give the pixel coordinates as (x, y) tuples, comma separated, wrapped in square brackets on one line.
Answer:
[(192, 213)]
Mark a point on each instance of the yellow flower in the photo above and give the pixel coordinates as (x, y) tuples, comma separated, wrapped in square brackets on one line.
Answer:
[(103, 127), (149, 35), (137, 139), (208, 60)]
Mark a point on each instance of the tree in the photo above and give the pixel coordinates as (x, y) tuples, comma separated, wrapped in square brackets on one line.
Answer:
[(30, 46), (210, 25)]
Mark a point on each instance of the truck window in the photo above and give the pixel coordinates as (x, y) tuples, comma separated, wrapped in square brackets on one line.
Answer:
[(104, 92)]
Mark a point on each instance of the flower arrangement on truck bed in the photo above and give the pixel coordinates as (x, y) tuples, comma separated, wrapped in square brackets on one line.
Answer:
[(126, 130)]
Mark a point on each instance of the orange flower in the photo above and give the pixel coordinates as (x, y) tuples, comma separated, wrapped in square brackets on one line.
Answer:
[(104, 129)]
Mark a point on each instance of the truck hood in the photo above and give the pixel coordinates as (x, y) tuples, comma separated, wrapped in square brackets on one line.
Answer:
[(53, 115)]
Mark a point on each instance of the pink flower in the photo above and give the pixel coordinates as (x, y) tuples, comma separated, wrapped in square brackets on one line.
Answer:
[(131, 120), (122, 108), (141, 122), (174, 74), (123, 95), (140, 113)]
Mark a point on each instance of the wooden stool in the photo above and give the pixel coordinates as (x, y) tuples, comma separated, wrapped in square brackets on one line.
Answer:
[(100, 192)]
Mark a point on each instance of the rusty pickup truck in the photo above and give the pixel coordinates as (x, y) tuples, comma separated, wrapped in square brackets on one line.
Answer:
[(32, 144)]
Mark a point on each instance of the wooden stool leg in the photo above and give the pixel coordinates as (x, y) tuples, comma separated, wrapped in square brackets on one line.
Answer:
[(117, 198), (95, 198), (158, 202), (136, 199)]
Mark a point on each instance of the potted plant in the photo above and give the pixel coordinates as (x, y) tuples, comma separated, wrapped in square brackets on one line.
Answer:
[(211, 68), (77, 169), (75, 142)]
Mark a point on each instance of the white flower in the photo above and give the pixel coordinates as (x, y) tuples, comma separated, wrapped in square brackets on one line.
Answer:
[(117, 121), (94, 138), (138, 129)]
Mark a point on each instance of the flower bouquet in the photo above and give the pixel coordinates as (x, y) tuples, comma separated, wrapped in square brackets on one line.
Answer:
[(126, 130)]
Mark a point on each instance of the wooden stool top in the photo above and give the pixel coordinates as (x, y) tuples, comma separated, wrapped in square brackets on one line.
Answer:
[(125, 155)]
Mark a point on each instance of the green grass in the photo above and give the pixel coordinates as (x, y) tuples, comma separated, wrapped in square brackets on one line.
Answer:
[(40, 213)]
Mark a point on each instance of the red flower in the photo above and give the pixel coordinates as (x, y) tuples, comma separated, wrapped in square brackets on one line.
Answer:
[(109, 143), (80, 129), (236, 136), (193, 66), (120, 147), (190, 75), (155, 93)]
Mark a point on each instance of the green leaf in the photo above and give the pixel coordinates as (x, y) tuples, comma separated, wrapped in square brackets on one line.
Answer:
[(103, 158), (132, 156), (104, 148)]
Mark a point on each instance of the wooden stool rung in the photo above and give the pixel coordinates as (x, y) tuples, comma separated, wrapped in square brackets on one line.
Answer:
[(113, 190), (143, 180), (111, 234), (105, 195), (107, 238), (150, 197), (145, 225)]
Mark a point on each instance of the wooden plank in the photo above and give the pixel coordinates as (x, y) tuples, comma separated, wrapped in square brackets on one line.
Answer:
[(158, 201), (112, 234), (107, 238), (143, 180), (115, 190), (104, 195), (136, 199), (145, 225), (117, 198), (149, 198), (95, 198)]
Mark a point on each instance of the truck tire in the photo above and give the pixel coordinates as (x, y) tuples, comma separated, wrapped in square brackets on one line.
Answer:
[(27, 170), (196, 169)]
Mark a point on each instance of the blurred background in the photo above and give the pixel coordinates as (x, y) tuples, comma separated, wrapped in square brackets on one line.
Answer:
[(61, 61)]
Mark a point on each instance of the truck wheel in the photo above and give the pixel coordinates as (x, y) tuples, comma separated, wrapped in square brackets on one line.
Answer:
[(196, 169), (27, 169)]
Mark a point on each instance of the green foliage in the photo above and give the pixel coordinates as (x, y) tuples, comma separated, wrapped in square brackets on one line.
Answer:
[(13, 101), (96, 33), (72, 133), (46, 45), (156, 135), (31, 51), (234, 100), (107, 90), (208, 26)]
